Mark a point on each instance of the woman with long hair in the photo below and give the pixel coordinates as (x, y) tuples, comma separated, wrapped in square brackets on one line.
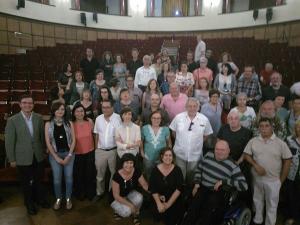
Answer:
[(60, 141), (152, 88)]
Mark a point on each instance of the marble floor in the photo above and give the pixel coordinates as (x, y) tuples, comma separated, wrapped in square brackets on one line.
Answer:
[(12, 212)]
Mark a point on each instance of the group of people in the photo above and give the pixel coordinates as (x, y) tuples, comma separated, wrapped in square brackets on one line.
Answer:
[(169, 133)]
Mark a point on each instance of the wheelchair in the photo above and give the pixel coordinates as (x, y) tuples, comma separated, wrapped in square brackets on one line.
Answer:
[(236, 213)]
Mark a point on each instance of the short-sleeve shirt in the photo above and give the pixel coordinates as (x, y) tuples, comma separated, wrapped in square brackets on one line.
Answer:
[(106, 130), (153, 144), (126, 186), (173, 107), (166, 185), (268, 154), (247, 117), (189, 142)]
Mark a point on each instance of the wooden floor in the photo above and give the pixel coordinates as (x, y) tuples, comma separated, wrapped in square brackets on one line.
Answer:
[(12, 212)]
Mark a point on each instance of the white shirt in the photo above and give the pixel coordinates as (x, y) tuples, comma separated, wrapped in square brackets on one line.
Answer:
[(106, 130), (295, 89), (189, 143), (200, 50), (143, 75)]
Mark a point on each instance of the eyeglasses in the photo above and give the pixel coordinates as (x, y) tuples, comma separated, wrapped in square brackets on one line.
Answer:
[(190, 127)]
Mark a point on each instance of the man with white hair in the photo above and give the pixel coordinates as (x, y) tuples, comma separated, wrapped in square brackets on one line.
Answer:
[(144, 74), (203, 72), (276, 88), (200, 48), (190, 129), (174, 102), (268, 110)]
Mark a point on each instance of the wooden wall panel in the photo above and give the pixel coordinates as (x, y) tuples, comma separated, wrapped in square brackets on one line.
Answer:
[(271, 32), (48, 41), (12, 40), (259, 33), (3, 37), (81, 34), (71, 33), (227, 34), (295, 30), (12, 50), (92, 35), (60, 31), (237, 33), (4, 49), (26, 41), (101, 35), (49, 30), (38, 41), (131, 36), (3, 23), (248, 32), (37, 29), (12, 25), (25, 27), (60, 40), (121, 35), (140, 36)]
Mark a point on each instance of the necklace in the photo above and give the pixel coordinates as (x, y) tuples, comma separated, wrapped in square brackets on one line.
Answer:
[(58, 121)]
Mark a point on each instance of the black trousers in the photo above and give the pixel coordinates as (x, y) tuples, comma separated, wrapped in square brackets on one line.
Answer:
[(207, 208), (84, 175), (31, 180), (293, 198)]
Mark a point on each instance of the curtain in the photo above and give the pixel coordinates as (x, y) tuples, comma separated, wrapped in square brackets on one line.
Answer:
[(170, 7)]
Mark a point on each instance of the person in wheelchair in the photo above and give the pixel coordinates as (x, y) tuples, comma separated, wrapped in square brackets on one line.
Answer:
[(215, 173)]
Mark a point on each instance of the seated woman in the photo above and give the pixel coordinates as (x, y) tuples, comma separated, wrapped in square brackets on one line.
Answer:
[(75, 87), (119, 70), (127, 201), (166, 184), (95, 87), (126, 101), (185, 80), (152, 88)]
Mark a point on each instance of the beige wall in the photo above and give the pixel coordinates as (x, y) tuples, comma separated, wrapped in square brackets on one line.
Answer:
[(37, 33)]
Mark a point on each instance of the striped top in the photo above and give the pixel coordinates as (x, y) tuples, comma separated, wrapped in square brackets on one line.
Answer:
[(209, 171)]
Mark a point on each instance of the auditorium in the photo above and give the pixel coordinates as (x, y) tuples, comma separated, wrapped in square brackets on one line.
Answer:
[(168, 112)]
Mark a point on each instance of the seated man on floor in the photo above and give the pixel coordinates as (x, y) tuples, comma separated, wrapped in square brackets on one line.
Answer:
[(215, 171)]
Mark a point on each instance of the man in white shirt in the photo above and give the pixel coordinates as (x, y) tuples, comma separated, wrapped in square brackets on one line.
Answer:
[(295, 89), (200, 49), (144, 74), (106, 147), (190, 129)]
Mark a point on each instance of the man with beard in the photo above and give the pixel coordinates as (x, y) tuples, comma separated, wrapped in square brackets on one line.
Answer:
[(267, 110)]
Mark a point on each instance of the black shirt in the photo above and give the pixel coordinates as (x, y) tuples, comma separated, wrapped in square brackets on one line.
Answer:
[(60, 138), (166, 185), (212, 64), (237, 140), (269, 93), (132, 66), (63, 78), (192, 66), (89, 68), (107, 67), (126, 186)]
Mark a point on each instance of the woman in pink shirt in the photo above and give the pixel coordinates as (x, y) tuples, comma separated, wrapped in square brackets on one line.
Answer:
[(84, 166)]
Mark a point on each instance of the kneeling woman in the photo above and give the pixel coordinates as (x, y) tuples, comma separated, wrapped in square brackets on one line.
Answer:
[(166, 183), (127, 201)]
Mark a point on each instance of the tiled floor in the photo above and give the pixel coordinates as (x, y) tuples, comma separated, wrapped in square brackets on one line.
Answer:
[(12, 212)]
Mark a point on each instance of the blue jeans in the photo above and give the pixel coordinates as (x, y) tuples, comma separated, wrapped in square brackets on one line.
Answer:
[(57, 170)]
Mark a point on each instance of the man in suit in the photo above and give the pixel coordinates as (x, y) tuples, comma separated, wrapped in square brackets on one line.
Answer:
[(25, 149)]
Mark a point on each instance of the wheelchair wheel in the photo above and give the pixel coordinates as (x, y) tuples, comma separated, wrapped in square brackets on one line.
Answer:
[(244, 218)]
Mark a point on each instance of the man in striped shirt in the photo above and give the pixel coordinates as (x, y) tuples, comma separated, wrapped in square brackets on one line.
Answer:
[(215, 170)]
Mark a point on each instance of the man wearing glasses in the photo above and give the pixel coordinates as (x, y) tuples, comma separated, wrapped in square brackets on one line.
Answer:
[(25, 149), (190, 129)]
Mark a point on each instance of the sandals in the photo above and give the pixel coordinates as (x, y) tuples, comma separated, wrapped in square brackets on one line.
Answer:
[(116, 216), (136, 220)]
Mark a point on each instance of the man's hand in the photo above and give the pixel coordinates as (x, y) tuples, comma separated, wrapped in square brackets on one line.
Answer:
[(195, 189), (260, 170), (218, 185), (13, 164)]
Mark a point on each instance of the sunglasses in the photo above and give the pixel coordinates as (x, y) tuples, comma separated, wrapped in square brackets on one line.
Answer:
[(190, 127)]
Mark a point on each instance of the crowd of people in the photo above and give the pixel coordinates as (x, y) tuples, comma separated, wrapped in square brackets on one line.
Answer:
[(172, 132)]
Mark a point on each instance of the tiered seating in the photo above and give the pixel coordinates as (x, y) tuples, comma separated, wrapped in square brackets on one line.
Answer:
[(36, 72)]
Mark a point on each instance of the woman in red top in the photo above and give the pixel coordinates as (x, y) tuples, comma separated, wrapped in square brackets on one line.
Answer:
[(84, 166)]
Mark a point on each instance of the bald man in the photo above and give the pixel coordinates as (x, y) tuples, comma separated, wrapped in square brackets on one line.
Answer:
[(209, 202)]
